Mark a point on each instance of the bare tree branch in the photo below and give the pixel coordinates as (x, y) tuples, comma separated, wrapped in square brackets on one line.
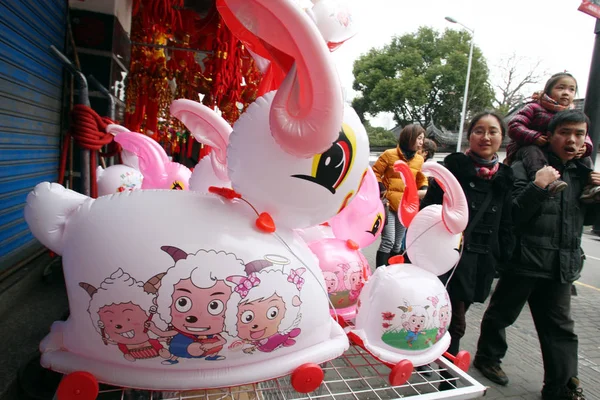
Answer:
[(515, 76)]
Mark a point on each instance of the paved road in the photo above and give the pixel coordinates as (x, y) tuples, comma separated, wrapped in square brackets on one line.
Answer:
[(591, 270)]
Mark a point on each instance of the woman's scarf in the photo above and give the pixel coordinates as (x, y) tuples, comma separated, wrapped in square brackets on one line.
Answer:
[(409, 154), (486, 169)]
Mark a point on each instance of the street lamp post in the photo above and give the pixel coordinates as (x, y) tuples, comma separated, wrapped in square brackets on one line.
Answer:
[(464, 105)]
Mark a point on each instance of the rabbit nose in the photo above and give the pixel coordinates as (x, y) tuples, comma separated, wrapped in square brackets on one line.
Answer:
[(191, 319)]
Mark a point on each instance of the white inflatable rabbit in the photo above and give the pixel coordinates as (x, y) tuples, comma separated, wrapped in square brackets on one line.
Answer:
[(117, 178), (179, 290), (404, 309)]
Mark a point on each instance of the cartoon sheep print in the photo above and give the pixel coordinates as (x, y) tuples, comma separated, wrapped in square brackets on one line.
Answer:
[(192, 297), (120, 320), (416, 327), (344, 283), (264, 309)]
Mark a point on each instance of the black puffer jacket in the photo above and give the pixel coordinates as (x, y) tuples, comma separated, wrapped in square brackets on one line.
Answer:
[(491, 240), (548, 229)]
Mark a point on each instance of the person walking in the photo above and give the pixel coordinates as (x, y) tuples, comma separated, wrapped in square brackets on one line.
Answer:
[(546, 261), (391, 187), (487, 240)]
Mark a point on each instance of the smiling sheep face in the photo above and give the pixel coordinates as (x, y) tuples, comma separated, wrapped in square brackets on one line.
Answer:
[(297, 192)]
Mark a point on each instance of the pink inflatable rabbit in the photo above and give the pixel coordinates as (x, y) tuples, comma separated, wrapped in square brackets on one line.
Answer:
[(159, 172), (362, 220)]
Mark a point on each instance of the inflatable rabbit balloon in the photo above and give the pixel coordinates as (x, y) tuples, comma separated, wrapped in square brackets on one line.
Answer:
[(439, 224), (287, 155), (362, 220), (176, 290), (345, 270), (117, 178), (154, 164), (404, 310)]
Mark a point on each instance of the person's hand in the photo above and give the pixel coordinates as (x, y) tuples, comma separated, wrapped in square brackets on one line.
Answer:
[(581, 151), (541, 141), (546, 176), (595, 178)]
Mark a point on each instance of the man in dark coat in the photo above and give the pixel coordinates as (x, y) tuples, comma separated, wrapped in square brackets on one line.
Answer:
[(547, 260)]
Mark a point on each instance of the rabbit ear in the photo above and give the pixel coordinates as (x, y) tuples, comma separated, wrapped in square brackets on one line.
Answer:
[(115, 129), (152, 157), (207, 128), (306, 113), (455, 210), (255, 45), (410, 199)]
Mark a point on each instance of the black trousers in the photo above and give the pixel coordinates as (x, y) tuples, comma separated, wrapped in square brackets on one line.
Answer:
[(550, 305)]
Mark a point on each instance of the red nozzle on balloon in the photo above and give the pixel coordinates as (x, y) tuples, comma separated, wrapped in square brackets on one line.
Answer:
[(352, 245), (399, 259)]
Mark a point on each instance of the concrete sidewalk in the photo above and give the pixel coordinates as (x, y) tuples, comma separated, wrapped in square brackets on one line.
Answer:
[(523, 362)]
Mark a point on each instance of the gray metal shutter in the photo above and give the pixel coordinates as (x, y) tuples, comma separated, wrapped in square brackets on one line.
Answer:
[(31, 82)]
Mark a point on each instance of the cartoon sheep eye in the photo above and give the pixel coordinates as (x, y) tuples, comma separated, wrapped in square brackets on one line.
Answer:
[(247, 317), (272, 312), (215, 307), (183, 304)]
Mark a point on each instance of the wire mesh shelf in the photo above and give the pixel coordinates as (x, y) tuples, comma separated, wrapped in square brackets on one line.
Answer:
[(356, 375)]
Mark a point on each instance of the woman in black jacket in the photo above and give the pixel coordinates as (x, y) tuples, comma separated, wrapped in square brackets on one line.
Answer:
[(488, 238)]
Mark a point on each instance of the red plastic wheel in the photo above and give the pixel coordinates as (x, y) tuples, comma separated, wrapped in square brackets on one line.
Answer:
[(307, 378), (78, 385), (463, 360), (401, 372)]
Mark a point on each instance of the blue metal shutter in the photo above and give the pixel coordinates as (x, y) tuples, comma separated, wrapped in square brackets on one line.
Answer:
[(31, 80)]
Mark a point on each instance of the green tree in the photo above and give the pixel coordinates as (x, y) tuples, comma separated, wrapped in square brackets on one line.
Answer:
[(379, 137), (420, 77)]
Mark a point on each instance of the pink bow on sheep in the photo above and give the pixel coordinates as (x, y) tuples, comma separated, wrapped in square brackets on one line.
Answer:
[(244, 284), (296, 278)]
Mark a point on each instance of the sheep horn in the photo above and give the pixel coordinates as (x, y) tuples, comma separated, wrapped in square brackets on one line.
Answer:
[(152, 284), (88, 288), (174, 252)]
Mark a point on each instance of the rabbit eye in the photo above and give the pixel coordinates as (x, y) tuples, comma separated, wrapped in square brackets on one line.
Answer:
[(177, 185), (376, 225), (331, 167)]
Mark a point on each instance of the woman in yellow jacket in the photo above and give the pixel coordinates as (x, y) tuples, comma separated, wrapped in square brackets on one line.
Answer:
[(392, 186)]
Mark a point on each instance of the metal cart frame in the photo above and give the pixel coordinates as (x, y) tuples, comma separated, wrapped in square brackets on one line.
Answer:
[(355, 375)]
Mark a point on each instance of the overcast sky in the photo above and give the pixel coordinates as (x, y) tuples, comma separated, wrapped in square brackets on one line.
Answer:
[(551, 31)]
